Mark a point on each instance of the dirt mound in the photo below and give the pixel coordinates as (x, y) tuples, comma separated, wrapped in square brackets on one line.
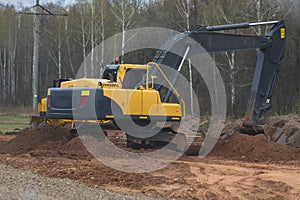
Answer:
[(291, 127), (289, 124), (30, 139), (56, 141), (45, 141), (254, 149)]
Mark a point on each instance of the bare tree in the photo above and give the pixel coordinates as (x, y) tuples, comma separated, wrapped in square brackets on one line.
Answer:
[(231, 62), (4, 75), (229, 12), (84, 41), (54, 50), (184, 10), (70, 55), (226, 12), (93, 18), (102, 36), (123, 11), (102, 12), (59, 53)]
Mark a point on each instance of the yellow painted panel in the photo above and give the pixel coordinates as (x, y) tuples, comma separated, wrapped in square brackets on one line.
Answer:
[(150, 101), (81, 83), (171, 109), (142, 102), (134, 102), (176, 118), (160, 111), (143, 117), (119, 96), (42, 107), (282, 33), (85, 93)]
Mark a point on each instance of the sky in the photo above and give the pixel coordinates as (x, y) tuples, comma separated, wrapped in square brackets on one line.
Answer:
[(30, 3)]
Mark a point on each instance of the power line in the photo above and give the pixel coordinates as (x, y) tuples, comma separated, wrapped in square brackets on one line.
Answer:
[(39, 10)]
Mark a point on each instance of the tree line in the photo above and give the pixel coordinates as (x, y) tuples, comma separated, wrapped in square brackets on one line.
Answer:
[(66, 41)]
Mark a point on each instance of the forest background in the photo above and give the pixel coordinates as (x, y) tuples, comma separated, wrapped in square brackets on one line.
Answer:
[(66, 41)]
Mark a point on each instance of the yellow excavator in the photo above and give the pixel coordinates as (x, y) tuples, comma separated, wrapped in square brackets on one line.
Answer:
[(112, 99), (139, 103)]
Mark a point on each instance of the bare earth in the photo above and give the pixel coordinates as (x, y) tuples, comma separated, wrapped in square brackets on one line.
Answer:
[(242, 167)]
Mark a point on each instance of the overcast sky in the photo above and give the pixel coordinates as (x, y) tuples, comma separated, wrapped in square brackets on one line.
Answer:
[(30, 3)]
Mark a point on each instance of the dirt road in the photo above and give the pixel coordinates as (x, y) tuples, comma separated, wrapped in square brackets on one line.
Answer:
[(270, 171)]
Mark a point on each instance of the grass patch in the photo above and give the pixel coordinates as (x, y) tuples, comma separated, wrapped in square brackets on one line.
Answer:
[(13, 123)]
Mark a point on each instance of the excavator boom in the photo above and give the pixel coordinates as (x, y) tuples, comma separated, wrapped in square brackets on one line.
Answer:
[(270, 52)]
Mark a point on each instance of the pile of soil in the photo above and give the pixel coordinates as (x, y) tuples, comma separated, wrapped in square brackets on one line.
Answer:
[(291, 127), (47, 140), (254, 149), (56, 141)]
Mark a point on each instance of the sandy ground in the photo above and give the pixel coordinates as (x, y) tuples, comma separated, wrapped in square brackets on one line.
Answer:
[(243, 167), (187, 178)]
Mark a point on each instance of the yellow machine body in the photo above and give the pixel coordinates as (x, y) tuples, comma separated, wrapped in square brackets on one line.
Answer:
[(142, 102)]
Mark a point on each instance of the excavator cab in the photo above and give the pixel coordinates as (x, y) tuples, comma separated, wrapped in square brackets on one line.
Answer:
[(56, 83), (111, 72)]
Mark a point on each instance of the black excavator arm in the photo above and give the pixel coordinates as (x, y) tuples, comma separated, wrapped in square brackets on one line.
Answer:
[(270, 52)]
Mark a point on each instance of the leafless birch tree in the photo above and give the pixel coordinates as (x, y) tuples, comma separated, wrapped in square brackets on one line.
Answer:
[(185, 12), (123, 11)]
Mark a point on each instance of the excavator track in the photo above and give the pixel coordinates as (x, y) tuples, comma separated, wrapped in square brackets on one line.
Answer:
[(187, 142), (194, 143)]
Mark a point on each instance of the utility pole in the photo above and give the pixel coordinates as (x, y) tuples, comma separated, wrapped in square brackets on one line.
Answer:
[(35, 65), (36, 36)]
